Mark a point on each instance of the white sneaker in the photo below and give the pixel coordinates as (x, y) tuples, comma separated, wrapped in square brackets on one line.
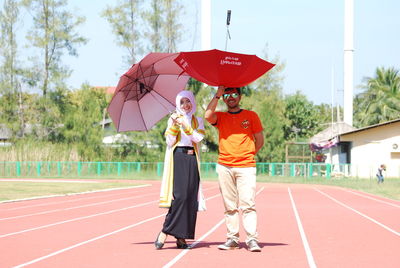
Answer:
[(253, 246), (229, 244)]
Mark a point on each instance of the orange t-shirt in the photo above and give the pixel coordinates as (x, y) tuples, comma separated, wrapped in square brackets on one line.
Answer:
[(236, 140)]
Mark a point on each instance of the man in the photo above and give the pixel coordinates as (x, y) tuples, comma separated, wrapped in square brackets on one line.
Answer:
[(240, 138), (379, 174)]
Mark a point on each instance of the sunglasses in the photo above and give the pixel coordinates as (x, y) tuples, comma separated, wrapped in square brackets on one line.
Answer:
[(233, 95)]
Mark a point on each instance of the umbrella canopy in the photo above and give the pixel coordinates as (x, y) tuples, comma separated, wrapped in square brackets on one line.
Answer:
[(222, 68), (147, 92)]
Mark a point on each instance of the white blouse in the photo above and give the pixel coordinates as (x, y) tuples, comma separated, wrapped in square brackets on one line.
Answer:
[(186, 140)]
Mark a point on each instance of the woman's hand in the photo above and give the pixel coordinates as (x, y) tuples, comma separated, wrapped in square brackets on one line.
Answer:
[(177, 119), (182, 123)]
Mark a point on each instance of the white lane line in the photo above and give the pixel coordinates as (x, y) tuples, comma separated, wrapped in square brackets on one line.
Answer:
[(359, 213), (310, 258), (185, 251), (372, 198), (95, 238), (87, 198), (76, 207), (79, 199), (87, 241), (76, 219), (82, 206), (71, 194), (34, 180), (81, 218)]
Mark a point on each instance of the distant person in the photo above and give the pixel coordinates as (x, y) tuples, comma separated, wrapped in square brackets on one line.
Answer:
[(180, 187), (240, 138), (379, 173)]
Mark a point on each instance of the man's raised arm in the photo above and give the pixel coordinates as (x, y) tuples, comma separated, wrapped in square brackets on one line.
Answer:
[(210, 115)]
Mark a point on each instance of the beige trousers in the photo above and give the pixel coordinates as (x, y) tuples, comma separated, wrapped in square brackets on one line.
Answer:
[(238, 189)]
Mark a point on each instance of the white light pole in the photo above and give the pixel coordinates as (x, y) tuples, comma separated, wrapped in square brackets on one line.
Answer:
[(205, 24), (348, 61)]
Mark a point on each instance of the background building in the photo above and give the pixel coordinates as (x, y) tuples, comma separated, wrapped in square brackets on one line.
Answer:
[(359, 152)]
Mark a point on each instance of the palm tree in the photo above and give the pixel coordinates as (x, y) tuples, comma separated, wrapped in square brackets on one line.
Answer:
[(380, 102)]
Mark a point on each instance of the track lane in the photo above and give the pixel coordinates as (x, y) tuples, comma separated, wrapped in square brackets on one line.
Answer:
[(39, 205), (53, 238), (47, 218), (125, 238), (387, 214), (278, 237), (126, 247), (339, 237), (380, 199)]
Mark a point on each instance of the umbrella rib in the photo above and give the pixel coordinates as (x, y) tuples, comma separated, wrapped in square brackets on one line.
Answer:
[(140, 110), (134, 81), (141, 116), (238, 78), (173, 104)]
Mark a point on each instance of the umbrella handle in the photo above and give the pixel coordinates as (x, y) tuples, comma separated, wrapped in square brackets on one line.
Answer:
[(228, 22)]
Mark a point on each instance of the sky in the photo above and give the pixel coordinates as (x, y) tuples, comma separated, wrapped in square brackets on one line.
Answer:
[(306, 35)]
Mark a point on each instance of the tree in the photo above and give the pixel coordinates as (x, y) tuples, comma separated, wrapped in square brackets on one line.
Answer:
[(49, 117), (270, 108), (53, 33), (171, 26), (302, 116), (380, 100), (125, 19), (326, 114), (8, 46), (155, 20), (273, 79), (164, 32), (83, 114), (9, 67), (265, 98)]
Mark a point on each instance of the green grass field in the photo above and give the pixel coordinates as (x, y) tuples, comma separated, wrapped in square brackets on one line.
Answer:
[(26, 189), (390, 188)]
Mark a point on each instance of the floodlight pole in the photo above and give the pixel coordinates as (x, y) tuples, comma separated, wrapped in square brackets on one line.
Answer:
[(348, 61), (206, 24), (228, 22)]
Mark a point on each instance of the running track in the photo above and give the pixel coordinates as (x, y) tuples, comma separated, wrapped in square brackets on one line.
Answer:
[(299, 226)]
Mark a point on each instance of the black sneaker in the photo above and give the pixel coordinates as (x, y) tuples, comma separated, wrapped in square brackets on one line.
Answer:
[(253, 246), (229, 244)]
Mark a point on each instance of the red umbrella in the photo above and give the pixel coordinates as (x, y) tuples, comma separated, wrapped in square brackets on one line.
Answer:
[(222, 68), (146, 92)]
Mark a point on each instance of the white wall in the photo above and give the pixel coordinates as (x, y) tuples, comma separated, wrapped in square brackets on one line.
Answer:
[(373, 147)]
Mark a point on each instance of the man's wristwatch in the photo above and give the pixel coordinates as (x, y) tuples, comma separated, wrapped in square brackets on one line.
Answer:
[(217, 97)]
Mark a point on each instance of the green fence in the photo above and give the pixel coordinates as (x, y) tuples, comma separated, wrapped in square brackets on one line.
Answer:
[(150, 169)]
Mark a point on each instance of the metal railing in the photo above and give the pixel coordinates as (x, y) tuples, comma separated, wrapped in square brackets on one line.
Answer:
[(155, 169)]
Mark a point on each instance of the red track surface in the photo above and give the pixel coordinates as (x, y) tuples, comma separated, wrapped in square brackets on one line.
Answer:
[(299, 226)]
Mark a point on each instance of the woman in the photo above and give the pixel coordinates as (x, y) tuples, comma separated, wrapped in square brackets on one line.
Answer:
[(180, 188)]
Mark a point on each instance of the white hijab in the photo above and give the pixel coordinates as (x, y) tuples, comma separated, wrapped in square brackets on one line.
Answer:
[(190, 96)]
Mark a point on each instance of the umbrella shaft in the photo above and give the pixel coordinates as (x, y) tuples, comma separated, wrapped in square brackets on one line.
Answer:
[(227, 36)]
